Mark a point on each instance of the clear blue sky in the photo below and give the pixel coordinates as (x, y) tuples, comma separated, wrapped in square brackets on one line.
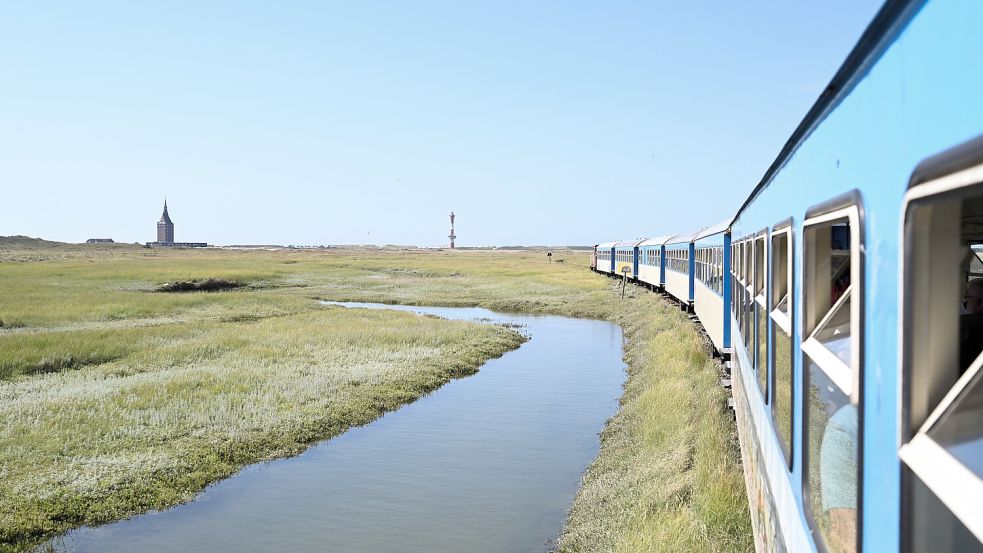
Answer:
[(565, 122)]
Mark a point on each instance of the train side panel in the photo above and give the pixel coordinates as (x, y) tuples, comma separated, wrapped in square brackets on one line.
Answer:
[(649, 274), (709, 307), (677, 285)]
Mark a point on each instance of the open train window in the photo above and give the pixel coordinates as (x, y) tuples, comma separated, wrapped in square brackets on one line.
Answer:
[(746, 290), (734, 302), (782, 379), (736, 288), (741, 292), (942, 368), (832, 279), (760, 314), (735, 297)]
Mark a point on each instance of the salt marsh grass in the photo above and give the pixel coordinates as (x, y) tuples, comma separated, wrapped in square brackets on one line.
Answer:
[(669, 476), (117, 399)]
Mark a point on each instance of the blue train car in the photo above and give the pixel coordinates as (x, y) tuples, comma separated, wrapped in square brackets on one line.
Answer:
[(626, 258), (868, 214), (604, 257), (651, 269), (854, 272), (679, 268), (711, 283)]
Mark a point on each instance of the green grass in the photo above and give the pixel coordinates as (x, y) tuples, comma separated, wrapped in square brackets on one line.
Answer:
[(120, 399), (668, 477)]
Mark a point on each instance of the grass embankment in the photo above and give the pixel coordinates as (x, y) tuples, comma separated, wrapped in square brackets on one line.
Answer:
[(669, 476), (122, 399)]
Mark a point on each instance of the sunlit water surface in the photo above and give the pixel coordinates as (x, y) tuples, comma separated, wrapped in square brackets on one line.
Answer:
[(488, 463)]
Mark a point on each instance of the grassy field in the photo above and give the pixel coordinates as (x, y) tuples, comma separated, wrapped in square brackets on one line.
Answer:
[(121, 399)]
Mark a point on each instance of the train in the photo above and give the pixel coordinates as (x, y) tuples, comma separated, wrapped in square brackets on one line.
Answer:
[(843, 297)]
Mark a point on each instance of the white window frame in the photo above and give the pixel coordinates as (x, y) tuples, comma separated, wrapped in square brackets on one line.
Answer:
[(782, 321), (957, 487), (759, 306), (849, 208), (838, 371)]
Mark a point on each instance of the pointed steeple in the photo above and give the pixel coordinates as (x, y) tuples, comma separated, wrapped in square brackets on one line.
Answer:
[(165, 218)]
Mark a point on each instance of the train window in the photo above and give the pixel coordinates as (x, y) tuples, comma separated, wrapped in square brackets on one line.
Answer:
[(781, 337), (704, 265), (760, 315), (742, 290), (749, 298), (942, 369), (832, 288), (733, 279), (738, 286), (735, 291), (720, 270)]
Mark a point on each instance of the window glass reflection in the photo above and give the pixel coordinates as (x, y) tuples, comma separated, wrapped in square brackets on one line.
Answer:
[(782, 395), (783, 304), (935, 528), (762, 350), (831, 453), (835, 332), (960, 429)]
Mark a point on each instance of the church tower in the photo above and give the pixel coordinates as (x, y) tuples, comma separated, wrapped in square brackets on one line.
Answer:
[(165, 228)]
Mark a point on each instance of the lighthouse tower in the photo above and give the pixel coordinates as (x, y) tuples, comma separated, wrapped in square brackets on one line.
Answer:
[(452, 236)]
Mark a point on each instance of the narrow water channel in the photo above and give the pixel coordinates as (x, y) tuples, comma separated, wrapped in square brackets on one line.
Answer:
[(488, 463)]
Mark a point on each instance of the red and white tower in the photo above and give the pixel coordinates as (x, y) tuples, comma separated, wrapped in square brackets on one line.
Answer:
[(452, 236)]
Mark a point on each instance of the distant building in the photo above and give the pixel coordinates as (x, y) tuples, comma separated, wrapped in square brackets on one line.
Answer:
[(452, 236), (165, 234), (99, 241), (165, 228)]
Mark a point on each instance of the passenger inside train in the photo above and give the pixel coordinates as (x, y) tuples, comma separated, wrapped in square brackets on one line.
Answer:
[(971, 322)]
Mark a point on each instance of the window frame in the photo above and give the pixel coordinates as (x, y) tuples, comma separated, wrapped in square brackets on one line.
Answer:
[(786, 323), (759, 304), (850, 206), (741, 290), (954, 175), (747, 289)]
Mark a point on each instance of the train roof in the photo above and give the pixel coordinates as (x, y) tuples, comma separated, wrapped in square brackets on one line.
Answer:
[(883, 29), (657, 241), (629, 243), (607, 244), (720, 227), (685, 237)]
